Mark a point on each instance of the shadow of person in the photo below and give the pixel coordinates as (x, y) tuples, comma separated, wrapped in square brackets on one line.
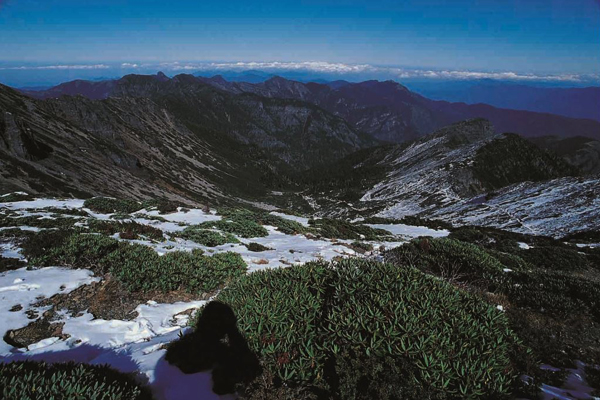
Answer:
[(216, 344)]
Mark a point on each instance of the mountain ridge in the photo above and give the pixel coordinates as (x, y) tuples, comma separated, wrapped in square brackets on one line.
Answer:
[(386, 110)]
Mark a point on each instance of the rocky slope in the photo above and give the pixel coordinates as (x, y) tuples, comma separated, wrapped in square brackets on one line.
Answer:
[(579, 151), (155, 136), (389, 111), (465, 174)]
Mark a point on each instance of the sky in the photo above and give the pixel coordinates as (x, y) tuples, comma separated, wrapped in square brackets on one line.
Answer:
[(523, 37)]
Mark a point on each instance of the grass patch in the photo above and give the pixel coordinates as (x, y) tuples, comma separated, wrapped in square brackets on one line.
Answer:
[(67, 381), (302, 319)]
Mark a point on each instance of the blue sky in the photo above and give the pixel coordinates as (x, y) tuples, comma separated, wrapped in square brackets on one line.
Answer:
[(526, 36)]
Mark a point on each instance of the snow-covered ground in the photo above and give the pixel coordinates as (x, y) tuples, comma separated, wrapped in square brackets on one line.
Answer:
[(138, 345), (551, 208), (409, 231), (129, 346)]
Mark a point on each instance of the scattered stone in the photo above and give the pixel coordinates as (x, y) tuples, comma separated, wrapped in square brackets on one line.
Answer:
[(34, 332)]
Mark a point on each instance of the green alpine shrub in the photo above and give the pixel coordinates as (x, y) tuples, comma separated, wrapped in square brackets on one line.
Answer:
[(302, 318), (28, 380), (207, 237), (108, 205)]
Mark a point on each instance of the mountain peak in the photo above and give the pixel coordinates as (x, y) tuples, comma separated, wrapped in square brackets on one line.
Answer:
[(161, 76), (218, 79)]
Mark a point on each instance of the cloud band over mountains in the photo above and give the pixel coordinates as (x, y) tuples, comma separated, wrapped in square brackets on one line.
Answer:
[(339, 70)]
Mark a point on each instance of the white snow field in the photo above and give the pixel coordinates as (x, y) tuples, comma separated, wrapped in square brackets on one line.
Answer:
[(138, 345)]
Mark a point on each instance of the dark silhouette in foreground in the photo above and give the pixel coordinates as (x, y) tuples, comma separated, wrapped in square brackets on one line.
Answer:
[(218, 345)]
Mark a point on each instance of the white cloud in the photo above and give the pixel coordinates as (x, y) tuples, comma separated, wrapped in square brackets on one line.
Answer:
[(57, 67), (392, 72), (361, 71), (509, 76)]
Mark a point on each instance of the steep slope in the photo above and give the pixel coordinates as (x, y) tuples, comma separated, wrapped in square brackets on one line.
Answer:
[(458, 163), (555, 207), (155, 136), (386, 110), (121, 147), (299, 133), (579, 151)]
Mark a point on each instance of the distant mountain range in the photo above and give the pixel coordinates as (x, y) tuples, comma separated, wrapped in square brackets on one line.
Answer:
[(386, 110), (570, 102), (338, 148)]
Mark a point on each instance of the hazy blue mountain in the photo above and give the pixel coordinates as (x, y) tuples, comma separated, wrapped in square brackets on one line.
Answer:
[(573, 102)]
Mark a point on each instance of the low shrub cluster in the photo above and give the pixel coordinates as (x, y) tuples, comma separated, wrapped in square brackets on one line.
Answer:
[(108, 205), (451, 259), (555, 258), (586, 236), (313, 324), (238, 222), (9, 264), (68, 381), (243, 228), (592, 376), (62, 211), (137, 266), (149, 217), (554, 292), (125, 229), (15, 234), (338, 229), (38, 221), (411, 220), (361, 247), (163, 206), (17, 196), (207, 237), (283, 225), (66, 248), (257, 247), (542, 288), (141, 269), (544, 252)]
